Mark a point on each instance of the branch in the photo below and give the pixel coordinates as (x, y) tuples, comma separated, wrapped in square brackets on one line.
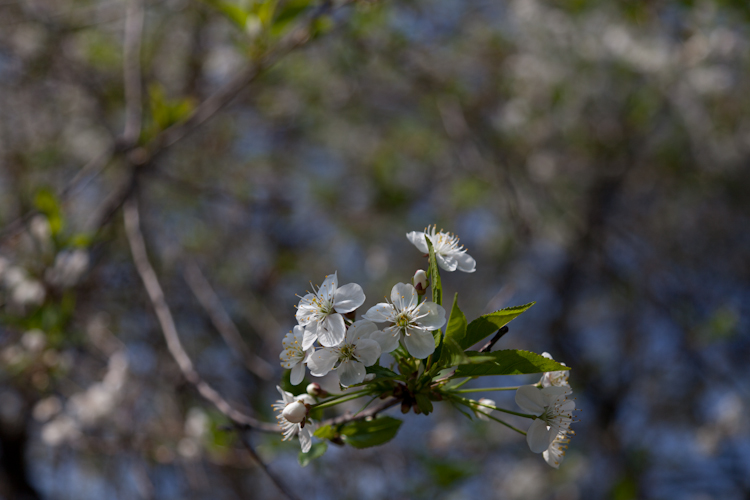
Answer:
[(372, 412), (223, 322), (168, 328), (272, 476), (488, 346)]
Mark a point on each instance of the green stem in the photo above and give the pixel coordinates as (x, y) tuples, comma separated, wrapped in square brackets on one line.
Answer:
[(477, 403), (461, 383), (471, 405), (340, 399), (506, 424), (489, 389)]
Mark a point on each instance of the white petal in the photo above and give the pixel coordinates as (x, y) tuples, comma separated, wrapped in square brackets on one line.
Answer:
[(418, 240), (367, 351), (331, 331), (351, 372), (435, 315), (360, 330), (448, 262), (379, 313), (530, 399), (298, 333), (420, 344), (329, 286), (348, 298), (321, 361), (403, 296), (298, 373), (466, 263), (387, 341), (551, 459), (305, 438), (305, 309), (538, 436), (309, 336), (285, 396)]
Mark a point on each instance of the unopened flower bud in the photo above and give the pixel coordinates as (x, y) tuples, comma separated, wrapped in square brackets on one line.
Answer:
[(420, 282), (295, 412), (314, 389)]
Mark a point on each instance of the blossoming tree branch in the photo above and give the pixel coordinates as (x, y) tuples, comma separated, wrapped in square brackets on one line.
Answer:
[(397, 352)]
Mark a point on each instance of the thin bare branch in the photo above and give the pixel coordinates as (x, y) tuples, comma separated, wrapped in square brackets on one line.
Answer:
[(168, 327), (271, 475), (223, 322), (488, 346)]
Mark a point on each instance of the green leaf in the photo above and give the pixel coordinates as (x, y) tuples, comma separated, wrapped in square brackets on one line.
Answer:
[(47, 203), (452, 354), (233, 12), (364, 434), (381, 372), (316, 451), (437, 287), (325, 432), (490, 323), (424, 403), (507, 362)]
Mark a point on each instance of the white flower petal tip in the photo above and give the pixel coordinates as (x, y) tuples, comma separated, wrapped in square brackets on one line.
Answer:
[(482, 411), (321, 312), (350, 357), (410, 321), (555, 453), (449, 253), (553, 411), (292, 417), (294, 354)]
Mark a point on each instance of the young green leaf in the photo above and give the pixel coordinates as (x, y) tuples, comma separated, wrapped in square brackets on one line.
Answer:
[(325, 432), (437, 288), (424, 403), (452, 354), (364, 434), (487, 324), (507, 362), (381, 372), (316, 451)]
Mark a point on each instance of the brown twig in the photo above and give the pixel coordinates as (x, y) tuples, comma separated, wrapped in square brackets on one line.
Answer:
[(223, 322), (271, 475), (488, 346), (168, 328), (372, 412)]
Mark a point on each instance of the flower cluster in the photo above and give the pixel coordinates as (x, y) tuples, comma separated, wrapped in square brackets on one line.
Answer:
[(424, 362)]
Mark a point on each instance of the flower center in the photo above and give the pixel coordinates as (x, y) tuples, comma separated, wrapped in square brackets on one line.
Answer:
[(346, 351)]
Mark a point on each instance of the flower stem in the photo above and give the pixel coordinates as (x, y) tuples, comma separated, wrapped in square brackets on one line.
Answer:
[(506, 424), (469, 402), (483, 389), (341, 398), (472, 405), (461, 383)]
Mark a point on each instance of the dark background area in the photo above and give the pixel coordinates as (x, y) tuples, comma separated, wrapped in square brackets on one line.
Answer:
[(592, 156)]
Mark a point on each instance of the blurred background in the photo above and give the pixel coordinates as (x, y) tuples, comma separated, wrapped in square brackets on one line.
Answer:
[(592, 156)]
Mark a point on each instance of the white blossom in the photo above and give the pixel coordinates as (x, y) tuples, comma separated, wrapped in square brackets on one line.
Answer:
[(295, 412), (482, 411), (450, 255), (553, 410), (411, 321), (303, 429), (350, 358), (321, 312), (68, 269), (293, 357), (555, 454), (554, 379)]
